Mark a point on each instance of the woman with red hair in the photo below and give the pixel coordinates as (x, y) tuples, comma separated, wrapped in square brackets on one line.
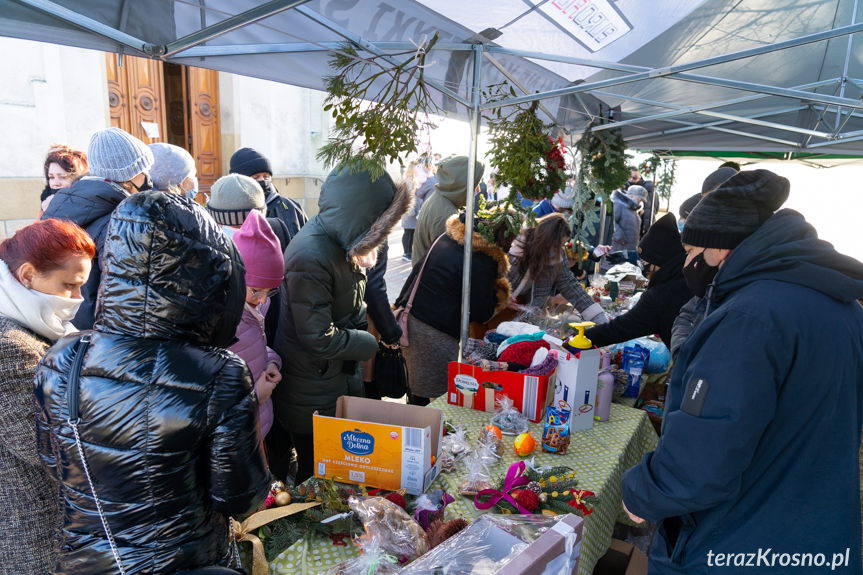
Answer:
[(63, 167), (42, 269)]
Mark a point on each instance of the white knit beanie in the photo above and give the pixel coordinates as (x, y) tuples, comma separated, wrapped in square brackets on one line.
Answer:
[(171, 165), (564, 200), (118, 155), (232, 197)]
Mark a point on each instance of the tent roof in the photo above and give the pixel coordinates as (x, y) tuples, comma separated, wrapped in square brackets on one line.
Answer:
[(768, 76)]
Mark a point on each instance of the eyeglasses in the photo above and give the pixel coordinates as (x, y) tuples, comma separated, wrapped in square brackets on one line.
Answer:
[(266, 292)]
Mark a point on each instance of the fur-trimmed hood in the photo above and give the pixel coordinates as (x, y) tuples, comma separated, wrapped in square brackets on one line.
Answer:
[(359, 212), (455, 229), (619, 197)]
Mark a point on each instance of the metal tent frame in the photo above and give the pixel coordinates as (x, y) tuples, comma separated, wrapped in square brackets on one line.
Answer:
[(775, 126)]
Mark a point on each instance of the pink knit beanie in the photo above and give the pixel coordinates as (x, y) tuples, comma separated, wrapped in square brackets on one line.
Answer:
[(261, 251)]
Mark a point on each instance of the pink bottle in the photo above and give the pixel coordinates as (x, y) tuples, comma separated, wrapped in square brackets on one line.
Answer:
[(604, 388)]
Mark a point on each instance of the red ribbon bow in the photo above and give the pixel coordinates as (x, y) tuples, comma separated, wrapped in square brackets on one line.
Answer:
[(577, 496), (514, 478)]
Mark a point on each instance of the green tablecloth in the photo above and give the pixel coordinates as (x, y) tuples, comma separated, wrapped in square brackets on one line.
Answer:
[(599, 456)]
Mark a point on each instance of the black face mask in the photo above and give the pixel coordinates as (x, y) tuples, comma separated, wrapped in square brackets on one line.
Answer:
[(265, 185), (699, 275), (147, 185)]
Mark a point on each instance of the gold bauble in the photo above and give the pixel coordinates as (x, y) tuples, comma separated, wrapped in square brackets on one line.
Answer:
[(283, 498)]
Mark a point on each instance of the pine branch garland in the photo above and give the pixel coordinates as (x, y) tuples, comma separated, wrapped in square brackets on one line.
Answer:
[(381, 110)]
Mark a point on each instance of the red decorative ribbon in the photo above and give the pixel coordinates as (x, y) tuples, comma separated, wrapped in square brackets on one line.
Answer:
[(577, 496), (514, 478), (339, 539)]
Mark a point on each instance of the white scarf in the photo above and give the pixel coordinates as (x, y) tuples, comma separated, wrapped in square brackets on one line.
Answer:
[(48, 315)]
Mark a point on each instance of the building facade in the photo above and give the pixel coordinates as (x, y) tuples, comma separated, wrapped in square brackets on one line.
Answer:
[(56, 94)]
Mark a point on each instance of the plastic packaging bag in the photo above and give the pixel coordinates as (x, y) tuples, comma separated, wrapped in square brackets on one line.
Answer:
[(492, 541), (508, 419), (399, 535), (477, 477), (373, 560), (454, 447), (635, 357)]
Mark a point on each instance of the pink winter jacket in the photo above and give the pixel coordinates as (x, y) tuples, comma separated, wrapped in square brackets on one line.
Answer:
[(252, 348)]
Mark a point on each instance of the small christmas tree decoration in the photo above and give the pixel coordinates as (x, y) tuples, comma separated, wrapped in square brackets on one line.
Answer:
[(552, 491)]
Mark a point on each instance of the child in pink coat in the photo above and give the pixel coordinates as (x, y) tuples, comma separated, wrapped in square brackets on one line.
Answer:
[(265, 268)]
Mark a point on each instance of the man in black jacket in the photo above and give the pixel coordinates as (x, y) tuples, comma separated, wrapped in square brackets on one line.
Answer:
[(250, 162), (666, 293), (650, 204)]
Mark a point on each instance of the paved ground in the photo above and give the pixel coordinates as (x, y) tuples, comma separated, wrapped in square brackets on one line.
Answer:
[(397, 268)]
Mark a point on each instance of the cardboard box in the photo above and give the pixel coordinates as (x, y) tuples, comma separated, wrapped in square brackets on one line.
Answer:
[(380, 444), (622, 558), (575, 386), (550, 551), (470, 386)]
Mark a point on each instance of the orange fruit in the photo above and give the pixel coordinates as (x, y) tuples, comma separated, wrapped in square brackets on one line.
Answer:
[(494, 429), (524, 443)]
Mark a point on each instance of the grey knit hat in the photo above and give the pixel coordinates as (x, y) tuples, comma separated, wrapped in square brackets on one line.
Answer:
[(232, 197), (171, 165), (731, 213), (118, 155), (637, 192)]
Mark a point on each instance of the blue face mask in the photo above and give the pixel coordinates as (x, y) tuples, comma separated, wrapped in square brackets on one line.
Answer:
[(680, 225), (193, 193)]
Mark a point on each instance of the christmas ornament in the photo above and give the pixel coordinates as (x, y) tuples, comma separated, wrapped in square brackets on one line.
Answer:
[(524, 444), (398, 499), (283, 498), (528, 499), (490, 428)]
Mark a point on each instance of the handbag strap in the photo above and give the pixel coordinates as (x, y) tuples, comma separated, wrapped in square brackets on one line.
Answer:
[(73, 420), (410, 301)]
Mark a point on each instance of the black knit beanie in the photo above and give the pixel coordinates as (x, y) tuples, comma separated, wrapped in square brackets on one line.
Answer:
[(661, 242), (732, 212), (688, 204), (716, 178), (248, 161)]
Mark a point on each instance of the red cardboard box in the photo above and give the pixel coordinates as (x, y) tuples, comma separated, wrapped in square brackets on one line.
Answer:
[(470, 386)]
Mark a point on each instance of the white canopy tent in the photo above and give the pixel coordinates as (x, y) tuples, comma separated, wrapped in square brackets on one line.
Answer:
[(778, 77)]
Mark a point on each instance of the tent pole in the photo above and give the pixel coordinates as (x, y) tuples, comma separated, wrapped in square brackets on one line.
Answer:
[(229, 24), (509, 76), (709, 125), (844, 80), (72, 17), (476, 87), (678, 72), (292, 47)]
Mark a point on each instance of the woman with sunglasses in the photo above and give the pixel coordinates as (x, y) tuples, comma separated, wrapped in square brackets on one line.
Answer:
[(265, 269)]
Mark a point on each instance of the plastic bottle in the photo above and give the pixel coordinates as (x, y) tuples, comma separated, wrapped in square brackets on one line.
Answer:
[(604, 388), (579, 340)]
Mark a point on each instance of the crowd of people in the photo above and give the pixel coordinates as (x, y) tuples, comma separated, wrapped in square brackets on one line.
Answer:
[(163, 350)]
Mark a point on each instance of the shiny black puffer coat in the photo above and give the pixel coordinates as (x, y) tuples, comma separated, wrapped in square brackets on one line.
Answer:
[(168, 419)]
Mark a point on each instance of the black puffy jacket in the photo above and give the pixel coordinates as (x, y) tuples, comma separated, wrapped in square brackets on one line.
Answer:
[(168, 419), (89, 202)]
